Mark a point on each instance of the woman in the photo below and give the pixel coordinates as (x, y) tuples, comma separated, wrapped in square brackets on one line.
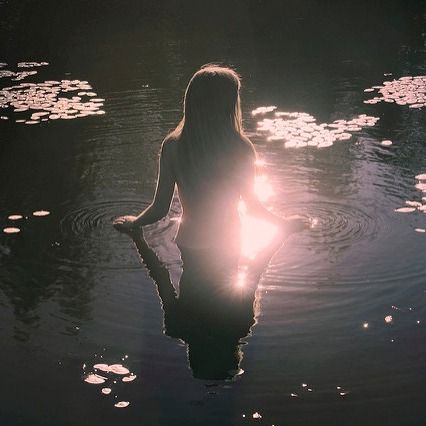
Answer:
[(212, 163)]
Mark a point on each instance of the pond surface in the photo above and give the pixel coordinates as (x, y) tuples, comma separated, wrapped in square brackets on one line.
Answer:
[(90, 89)]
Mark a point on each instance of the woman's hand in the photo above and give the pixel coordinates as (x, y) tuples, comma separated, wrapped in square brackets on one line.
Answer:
[(125, 223), (297, 223)]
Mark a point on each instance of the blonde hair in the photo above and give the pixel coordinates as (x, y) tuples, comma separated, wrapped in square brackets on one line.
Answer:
[(210, 132)]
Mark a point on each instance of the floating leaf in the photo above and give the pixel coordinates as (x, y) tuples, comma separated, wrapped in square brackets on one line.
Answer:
[(118, 369), (11, 230), (129, 378), (94, 379), (41, 213), (15, 217), (405, 210), (102, 367)]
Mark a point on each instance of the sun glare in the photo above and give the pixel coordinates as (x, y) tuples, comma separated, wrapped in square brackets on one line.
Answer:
[(241, 278), (256, 234)]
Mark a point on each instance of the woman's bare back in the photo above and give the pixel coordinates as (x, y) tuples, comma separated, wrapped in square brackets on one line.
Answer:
[(210, 208)]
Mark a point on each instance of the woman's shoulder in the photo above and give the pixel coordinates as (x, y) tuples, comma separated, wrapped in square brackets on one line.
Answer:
[(171, 139), (169, 145)]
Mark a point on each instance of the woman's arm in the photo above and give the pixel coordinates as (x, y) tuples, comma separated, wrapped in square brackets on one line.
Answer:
[(162, 198)]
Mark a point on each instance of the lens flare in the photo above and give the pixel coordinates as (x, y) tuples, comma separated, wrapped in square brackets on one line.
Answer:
[(263, 188), (241, 278), (256, 234)]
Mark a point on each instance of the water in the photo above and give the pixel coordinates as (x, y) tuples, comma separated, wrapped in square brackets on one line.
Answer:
[(74, 292)]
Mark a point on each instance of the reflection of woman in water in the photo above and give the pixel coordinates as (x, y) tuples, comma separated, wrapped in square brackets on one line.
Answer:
[(212, 163)]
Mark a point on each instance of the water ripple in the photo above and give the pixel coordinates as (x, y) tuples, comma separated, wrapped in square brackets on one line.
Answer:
[(337, 224), (86, 235)]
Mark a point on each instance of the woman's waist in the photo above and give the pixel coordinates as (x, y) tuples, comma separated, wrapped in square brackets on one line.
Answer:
[(204, 235)]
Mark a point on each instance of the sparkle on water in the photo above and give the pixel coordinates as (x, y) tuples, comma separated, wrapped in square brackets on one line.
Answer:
[(388, 319)]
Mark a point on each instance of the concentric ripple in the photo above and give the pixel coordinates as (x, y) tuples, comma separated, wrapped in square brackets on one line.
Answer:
[(94, 219), (337, 229), (337, 224), (90, 220), (87, 234)]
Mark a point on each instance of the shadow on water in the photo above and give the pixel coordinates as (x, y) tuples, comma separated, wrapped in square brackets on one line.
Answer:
[(212, 318)]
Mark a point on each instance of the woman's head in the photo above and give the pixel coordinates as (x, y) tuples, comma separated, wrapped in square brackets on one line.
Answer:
[(212, 100), (210, 132)]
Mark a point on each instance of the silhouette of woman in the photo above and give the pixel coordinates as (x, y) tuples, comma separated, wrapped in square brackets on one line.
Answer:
[(212, 164)]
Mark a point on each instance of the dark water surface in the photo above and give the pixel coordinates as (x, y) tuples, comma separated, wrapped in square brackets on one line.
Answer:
[(73, 291)]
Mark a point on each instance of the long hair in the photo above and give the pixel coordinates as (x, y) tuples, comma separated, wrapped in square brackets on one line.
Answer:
[(210, 132)]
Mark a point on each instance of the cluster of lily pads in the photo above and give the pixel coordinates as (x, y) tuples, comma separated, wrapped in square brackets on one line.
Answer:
[(47, 100), (104, 373), (407, 90), (413, 206), (20, 75), (20, 217), (300, 129)]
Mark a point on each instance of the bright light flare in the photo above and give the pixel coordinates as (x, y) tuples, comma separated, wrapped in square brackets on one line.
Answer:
[(241, 278), (256, 234), (263, 188)]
